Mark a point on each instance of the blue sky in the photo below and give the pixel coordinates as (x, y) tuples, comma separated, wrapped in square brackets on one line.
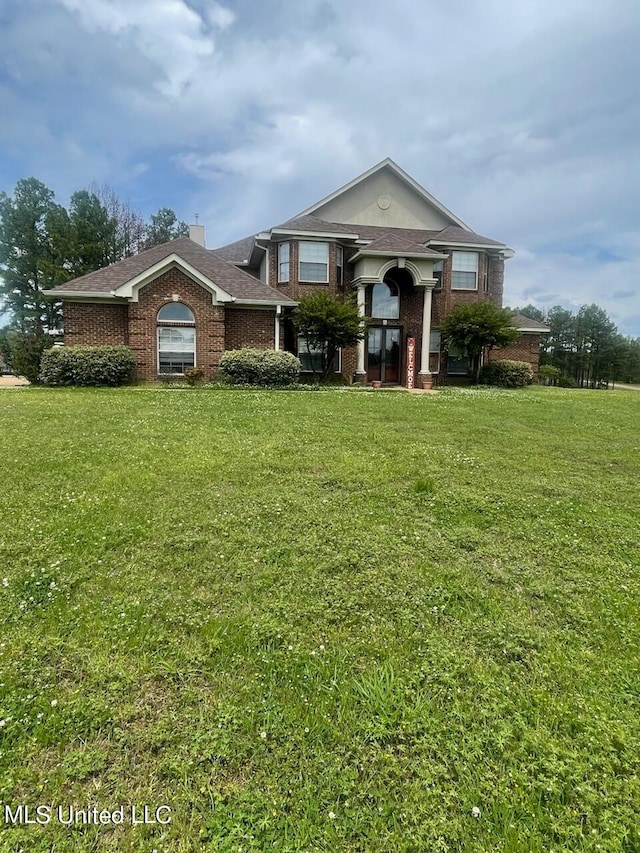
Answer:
[(522, 118)]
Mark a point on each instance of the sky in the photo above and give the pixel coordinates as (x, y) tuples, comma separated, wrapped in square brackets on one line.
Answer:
[(521, 117)]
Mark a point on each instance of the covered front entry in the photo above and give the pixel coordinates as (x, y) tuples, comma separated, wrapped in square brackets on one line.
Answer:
[(383, 350)]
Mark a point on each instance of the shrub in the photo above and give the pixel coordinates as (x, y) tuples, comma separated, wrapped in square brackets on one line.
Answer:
[(548, 374), (194, 376), (27, 353), (260, 367), (567, 382), (81, 365), (504, 373)]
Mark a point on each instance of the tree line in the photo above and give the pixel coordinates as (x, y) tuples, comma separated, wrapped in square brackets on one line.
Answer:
[(585, 348), (44, 244)]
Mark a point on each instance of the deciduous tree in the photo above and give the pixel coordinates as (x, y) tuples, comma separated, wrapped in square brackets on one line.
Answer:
[(477, 327), (327, 323)]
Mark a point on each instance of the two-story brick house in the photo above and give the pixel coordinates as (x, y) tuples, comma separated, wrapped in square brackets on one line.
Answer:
[(404, 257)]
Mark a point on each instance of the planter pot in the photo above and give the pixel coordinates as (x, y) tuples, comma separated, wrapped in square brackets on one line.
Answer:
[(376, 384), (427, 384)]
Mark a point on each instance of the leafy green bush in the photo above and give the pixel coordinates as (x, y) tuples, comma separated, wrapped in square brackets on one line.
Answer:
[(548, 374), (81, 365), (504, 373), (567, 382), (26, 354), (260, 367)]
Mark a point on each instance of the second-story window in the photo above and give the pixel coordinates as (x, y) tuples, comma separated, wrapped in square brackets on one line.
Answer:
[(385, 301), (339, 264), (313, 262), (283, 262), (437, 274), (485, 273), (464, 271)]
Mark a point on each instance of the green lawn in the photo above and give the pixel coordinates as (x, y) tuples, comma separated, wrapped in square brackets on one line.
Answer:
[(331, 621)]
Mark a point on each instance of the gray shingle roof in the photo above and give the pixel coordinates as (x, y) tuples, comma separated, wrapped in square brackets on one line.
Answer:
[(453, 234), (397, 243), (523, 322), (395, 237), (210, 264), (312, 223), (237, 252)]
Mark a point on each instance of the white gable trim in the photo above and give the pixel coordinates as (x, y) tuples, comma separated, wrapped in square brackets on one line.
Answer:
[(415, 186), (293, 232), (81, 296), (504, 251), (421, 256), (525, 330), (130, 289)]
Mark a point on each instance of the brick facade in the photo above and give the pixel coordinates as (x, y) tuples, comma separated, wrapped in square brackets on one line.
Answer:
[(224, 327), (294, 288), (143, 327), (525, 348), (445, 298), (95, 324), (249, 327)]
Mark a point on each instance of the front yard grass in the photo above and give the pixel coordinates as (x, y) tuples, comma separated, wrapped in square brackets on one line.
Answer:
[(325, 621)]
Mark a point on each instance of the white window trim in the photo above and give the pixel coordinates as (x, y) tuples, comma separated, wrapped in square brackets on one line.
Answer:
[(485, 273), (437, 352), (439, 264), (282, 280), (301, 243), (395, 296), (310, 351), (339, 264), (458, 372), (168, 325), (454, 270)]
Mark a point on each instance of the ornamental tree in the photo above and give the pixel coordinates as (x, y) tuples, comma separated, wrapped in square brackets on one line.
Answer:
[(477, 327), (327, 323)]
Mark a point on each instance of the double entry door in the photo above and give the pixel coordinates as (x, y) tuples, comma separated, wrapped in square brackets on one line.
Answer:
[(383, 354)]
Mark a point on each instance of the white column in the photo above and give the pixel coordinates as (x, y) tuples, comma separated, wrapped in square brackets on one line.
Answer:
[(426, 331), (360, 356)]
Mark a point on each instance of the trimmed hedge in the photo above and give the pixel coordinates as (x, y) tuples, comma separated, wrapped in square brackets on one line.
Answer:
[(82, 365), (505, 373), (260, 367)]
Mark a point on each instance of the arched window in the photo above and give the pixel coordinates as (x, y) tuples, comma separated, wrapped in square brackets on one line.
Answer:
[(175, 312), (385, 301), (176, 343)]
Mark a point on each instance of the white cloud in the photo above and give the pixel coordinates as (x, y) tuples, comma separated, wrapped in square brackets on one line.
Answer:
[(168, 32), (522, 118)]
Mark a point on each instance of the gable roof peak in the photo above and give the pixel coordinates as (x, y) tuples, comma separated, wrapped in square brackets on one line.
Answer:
[(400, 173)]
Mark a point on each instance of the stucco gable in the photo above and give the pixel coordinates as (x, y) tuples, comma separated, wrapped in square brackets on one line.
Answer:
[(385, 196)]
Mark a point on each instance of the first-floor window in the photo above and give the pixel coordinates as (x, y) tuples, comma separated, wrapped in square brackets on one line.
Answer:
[(457, 360), (310, 357), (176, 348), (434, 352)]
